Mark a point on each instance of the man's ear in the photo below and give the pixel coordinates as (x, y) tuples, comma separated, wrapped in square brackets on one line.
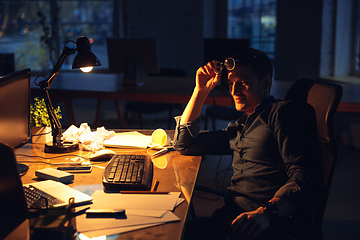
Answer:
[(267, 82)]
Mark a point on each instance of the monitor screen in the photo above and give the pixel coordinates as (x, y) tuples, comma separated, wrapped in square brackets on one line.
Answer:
[(15, 108), (142, 51)]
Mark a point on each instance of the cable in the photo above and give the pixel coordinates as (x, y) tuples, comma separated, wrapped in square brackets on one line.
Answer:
[(67, 155), (60, 156)]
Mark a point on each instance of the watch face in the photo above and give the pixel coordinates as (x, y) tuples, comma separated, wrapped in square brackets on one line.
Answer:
[(271, 210)]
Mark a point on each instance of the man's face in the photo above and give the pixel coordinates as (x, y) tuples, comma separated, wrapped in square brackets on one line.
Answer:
[(246, 89)]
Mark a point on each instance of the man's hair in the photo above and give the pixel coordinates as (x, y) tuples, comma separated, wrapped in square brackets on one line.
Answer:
[(261, 63)]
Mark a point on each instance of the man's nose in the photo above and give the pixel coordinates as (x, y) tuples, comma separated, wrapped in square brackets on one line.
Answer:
[(236, 88)]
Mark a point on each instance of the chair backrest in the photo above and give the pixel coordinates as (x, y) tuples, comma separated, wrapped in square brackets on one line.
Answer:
[(325, 98)]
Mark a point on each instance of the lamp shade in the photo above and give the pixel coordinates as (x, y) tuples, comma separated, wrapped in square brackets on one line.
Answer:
[(84, 57)]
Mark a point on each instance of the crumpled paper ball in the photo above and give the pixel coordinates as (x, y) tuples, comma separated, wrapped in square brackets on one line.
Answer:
[(90, 141)]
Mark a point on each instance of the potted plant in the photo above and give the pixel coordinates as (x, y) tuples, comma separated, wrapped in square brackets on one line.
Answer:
[(40, 122)]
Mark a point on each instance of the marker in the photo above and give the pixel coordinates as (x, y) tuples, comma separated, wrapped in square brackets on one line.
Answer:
[(161, 152), (143, 192), (105, 212)]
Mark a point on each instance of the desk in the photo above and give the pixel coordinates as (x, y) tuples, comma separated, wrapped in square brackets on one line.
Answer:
[(179, 175), (101, 86)]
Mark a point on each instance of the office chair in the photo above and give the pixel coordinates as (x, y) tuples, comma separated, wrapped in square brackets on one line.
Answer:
[(324, 97), (141, 108), (13, 207)]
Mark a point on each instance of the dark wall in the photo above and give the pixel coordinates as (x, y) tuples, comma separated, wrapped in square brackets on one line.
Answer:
[(298, 39)]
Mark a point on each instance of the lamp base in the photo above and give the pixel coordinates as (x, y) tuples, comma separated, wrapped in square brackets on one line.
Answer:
[(62, 147)]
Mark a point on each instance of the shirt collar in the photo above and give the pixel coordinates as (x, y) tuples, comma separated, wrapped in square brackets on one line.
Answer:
[(259, 108), (265, 103)]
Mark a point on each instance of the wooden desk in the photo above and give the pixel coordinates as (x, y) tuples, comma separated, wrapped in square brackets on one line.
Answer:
[(179, 174), (101, 86)]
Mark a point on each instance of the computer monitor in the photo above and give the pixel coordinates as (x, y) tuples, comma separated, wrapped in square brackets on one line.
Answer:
[(15, 108), (221, 48), (133, 57)]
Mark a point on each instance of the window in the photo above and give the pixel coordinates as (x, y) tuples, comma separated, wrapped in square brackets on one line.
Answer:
[(255, 20), (36, 31), (357, 39)]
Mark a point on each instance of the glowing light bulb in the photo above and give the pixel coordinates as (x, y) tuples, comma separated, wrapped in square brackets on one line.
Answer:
[(86, 69)]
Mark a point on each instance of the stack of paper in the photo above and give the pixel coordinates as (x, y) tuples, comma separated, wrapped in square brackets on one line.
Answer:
[(142, 210), (128, 140)]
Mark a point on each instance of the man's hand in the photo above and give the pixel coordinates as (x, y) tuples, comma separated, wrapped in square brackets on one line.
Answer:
[(248, 225), (206, 79)]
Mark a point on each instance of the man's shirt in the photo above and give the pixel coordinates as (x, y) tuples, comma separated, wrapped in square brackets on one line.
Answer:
[(276, 152)]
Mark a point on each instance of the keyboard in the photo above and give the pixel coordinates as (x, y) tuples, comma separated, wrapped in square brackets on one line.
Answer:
[(36, 198), (128, 172)]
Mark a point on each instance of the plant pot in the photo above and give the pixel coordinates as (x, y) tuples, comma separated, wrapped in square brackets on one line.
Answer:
[(41, 135)]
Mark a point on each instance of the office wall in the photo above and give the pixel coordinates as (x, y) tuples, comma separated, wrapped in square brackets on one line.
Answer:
[(298, 39)]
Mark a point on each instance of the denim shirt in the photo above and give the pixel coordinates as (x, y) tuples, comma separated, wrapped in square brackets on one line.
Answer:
[(276, 152)]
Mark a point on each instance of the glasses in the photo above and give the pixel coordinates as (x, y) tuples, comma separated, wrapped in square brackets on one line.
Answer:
[(229, 63)]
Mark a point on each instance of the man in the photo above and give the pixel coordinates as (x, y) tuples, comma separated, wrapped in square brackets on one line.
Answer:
[(275, 149)]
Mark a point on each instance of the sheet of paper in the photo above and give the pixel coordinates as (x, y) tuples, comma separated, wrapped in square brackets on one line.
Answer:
[(85, 224), (147, 213), (142, 210), (145, 202), (168, 217), (128, 140)]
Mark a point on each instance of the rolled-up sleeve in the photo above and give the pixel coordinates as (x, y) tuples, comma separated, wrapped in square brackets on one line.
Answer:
[(188, 140)]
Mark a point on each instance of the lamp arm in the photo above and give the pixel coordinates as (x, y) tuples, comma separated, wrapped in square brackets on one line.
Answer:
[(45, 86), (54, 120), (65, 53)]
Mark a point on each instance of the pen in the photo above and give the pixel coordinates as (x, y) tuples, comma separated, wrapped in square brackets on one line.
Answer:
[(161, 152), (155, 185), (67, 163), (143, 192)]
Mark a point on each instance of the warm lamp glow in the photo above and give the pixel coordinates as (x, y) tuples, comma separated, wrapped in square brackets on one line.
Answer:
[(86, 69)]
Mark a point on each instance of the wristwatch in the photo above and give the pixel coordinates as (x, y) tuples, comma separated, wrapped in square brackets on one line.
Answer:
[(271, 211)]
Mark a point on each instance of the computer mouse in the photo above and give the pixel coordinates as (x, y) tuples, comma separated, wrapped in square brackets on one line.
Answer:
[(102, 155)]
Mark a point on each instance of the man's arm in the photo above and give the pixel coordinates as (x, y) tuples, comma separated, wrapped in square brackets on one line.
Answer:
[(206, 80), (248, 225)]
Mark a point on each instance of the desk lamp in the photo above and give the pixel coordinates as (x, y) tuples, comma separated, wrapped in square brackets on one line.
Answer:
[(85, 60)]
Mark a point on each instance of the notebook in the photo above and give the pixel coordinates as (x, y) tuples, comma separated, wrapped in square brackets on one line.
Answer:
[(62, 192)]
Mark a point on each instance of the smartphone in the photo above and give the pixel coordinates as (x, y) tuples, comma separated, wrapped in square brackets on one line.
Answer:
[(76, 169)]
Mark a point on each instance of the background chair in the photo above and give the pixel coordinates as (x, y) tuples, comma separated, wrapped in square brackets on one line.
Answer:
[(324, 97)]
